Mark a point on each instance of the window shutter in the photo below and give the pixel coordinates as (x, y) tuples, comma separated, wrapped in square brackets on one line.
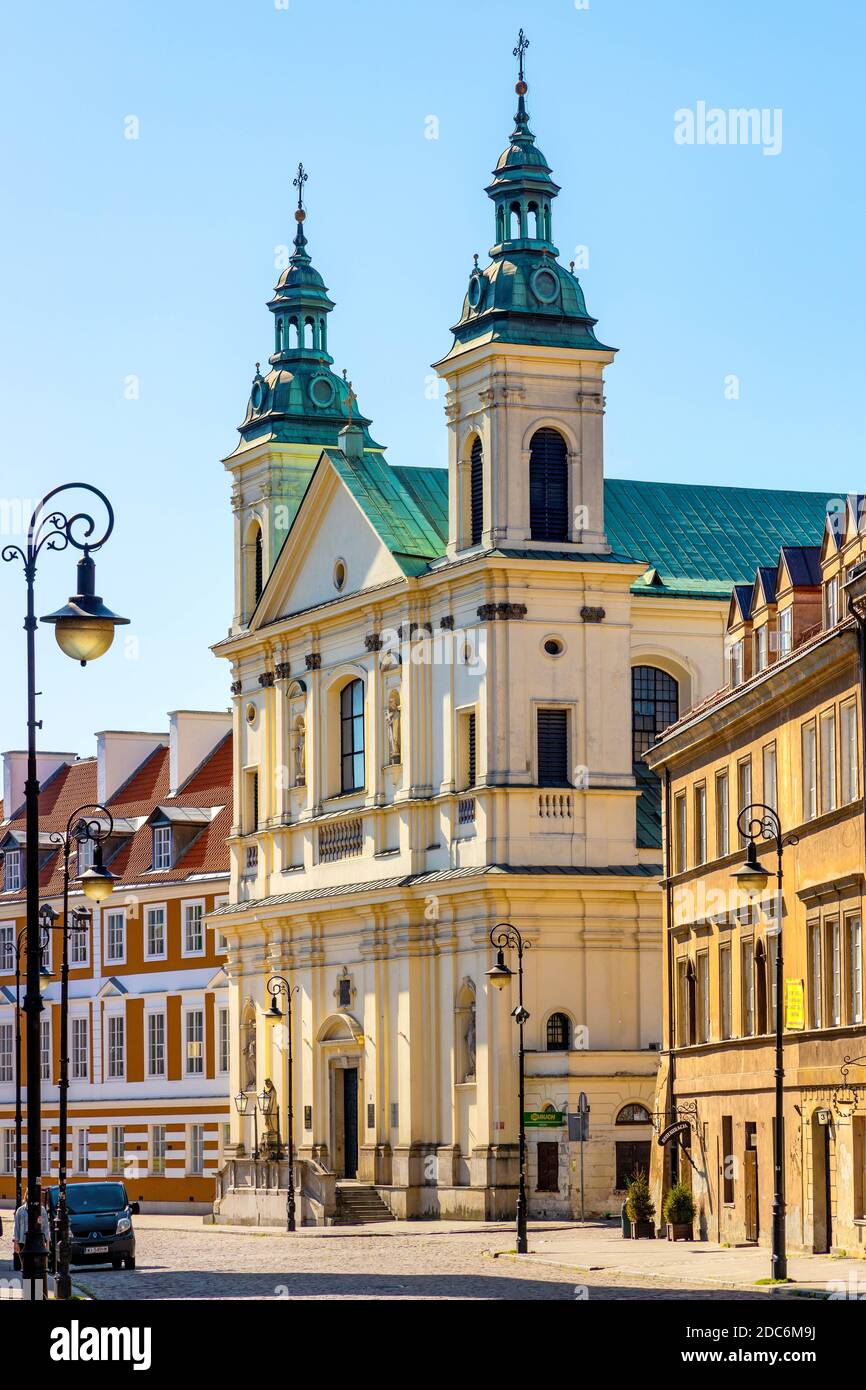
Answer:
[(476, 488), (553, 748), (548, 487), (471, 768), (259, 566)]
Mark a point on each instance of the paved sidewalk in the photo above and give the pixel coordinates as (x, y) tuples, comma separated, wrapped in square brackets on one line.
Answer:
[(599, 1246), (152, 1221)]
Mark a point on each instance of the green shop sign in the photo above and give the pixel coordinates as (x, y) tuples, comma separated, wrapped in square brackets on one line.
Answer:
[(543, 1119)]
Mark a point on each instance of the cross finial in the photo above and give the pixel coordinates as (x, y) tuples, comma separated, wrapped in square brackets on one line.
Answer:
[(519, 51), (350, 396), (299, 182)]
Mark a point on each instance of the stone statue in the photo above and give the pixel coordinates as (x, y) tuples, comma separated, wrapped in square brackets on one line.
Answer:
[(470, 1045), (392, 720), (270, 1138), (248, 1051), (300, 753)]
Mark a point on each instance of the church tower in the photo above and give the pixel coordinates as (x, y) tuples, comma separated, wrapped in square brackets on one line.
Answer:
[(525, 401), (295, 410)]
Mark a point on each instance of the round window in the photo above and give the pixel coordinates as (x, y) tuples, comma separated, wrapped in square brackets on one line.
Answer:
[(476, 290), (340, 574), (258, 395), (322, 391), (545, 285), (553, 646)]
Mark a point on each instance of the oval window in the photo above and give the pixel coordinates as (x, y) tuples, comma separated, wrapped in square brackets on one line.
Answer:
[(545, 285), (340, 574), (554, 647)]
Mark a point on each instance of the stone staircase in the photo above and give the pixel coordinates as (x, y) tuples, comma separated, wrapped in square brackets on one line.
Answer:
[(359, 1204)]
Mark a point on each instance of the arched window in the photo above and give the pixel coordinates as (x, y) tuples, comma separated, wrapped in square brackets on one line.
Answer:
[(514, 221), (500, 223), (308, 333), (548, 486), (476, 491), (352, 736), (278, 340), (633, 1115), (558, 1033), (293, 340), (546, 216), (532, 220), (323, 336), (258, 566), (655, 698)]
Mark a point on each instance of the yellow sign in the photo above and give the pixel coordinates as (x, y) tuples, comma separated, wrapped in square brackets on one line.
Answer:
[(795, 1004)]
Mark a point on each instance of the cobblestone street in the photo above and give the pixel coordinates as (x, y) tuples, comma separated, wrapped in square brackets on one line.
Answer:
[(189, 1263)]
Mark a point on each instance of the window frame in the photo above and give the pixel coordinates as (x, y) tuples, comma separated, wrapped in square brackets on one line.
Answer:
[(108, 914), (154, 1046), (546, 707), (8, 947), (809, 769), (828, 777), (75, 1051), (849, 752), (667, 698), (699, 828), (199, 905), (190, 1012), (352, 727), (726, 991), (723, 813), (16, 857), (149, 909), (112, 1050), (853, 968), (162, 848)]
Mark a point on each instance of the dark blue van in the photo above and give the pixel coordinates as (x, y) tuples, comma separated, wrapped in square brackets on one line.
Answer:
[(100, 1224)]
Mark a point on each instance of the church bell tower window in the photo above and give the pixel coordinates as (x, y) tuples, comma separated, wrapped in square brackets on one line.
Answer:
[(548, 486)]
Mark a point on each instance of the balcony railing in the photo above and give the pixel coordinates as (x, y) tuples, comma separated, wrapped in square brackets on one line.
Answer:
[(342, 839), (466, 810), (555, 805)]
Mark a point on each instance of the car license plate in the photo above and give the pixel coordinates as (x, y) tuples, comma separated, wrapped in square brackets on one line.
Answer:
[(96, 1249)]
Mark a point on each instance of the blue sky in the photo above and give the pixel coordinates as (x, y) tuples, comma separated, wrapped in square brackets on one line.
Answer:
[(154, 257)]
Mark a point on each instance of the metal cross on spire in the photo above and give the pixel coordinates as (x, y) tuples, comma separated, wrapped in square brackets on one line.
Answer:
[(350, 395), (519, 51), (299, 182)]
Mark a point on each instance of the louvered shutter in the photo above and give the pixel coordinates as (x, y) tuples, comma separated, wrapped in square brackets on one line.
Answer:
[(548, 487), (476, 489), (553, 748)]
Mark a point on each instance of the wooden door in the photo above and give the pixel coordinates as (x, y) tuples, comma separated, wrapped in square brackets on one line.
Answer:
[(350, 1122), (750, 1175), (548, 1167)]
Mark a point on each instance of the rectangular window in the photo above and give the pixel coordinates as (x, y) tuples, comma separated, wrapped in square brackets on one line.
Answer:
[(728, 1160), (748, 987), (737, 663), (860, 1167), (834, 974), (816, 978), (771, 789), (154, 934), (79, 947), (115, 937), (744, 788), (772, 939), (86, 854), (195, 1042), (82, 1156), (116, 1150), (831, 602), (80, 1048), (786, 631), (251, 801), (702, 963), (761, 647), (725, 990), (7, 1052), (701, 824), (157, 1150), (828, 761), (45, 1151), (552, 737), (684, 1011), (471, 756), (116, 1058), (810, 786), (352, 776), (196, 1150), (162, 846), (723, 814), (45, 1048), (855, 969), (7, 1152), (631, 1157), (680, 833), (848, 740), (223, 1036), (12, 871), (7, 948), (193, 929), (156, 1044)]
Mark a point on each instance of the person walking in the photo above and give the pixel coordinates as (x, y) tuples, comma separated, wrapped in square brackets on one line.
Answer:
[(19, 1229)]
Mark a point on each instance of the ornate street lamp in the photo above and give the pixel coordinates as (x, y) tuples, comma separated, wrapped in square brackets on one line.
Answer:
[(760, 822), (242, 1102), (91, 823), (44, 979), (84, 630), (277, 985), (505, 936)]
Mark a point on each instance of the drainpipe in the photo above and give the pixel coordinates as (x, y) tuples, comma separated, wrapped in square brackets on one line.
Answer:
[(669, 915), (861, 654)]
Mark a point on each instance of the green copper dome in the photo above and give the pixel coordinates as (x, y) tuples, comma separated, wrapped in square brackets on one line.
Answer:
[(301, 400), (524, 295)]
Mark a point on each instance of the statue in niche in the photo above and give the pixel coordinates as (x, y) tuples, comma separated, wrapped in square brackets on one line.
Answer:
[(269, 1142), (470, 1045), (248, 1051), (392, 721), (300, 753)]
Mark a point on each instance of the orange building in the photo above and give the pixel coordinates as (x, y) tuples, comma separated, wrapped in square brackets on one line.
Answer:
[(148, 998)]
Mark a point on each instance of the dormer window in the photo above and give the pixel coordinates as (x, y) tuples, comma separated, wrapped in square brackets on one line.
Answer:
[(761, 647), (737, 662), (162, 846), (786, 631), (831, 602), (13, 876), (86, 853)]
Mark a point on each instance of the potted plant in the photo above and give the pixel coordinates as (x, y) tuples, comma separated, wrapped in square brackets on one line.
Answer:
[(679, 1212), (640, 1207)]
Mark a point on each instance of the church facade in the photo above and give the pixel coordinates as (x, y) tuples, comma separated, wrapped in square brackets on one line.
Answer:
[(444, 682)]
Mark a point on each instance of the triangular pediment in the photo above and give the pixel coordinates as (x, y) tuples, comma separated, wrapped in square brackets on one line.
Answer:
[(332, 550)]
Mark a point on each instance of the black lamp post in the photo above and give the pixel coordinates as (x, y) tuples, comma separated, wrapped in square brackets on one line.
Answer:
[(758, 821), (242, 1101), (84, 629), (505, 935), (93, 824), (278, 985), (44, 976)]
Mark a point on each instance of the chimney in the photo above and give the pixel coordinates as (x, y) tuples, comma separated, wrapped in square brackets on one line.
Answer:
[(15, 775), (118, 753), (192, 735)]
